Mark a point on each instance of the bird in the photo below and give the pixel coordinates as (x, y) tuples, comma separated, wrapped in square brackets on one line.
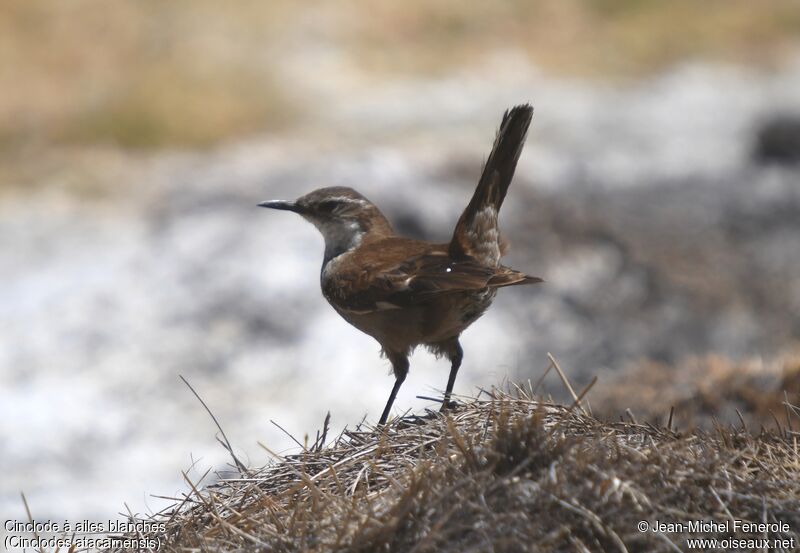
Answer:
[(405, 292)]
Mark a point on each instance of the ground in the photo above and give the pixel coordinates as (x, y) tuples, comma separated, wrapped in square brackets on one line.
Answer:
[(504, 472)]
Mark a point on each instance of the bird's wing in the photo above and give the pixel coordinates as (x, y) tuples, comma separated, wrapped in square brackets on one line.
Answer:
[(417, 280), (433, 274)]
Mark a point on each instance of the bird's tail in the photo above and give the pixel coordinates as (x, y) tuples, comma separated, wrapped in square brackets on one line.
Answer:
[(476, 233)]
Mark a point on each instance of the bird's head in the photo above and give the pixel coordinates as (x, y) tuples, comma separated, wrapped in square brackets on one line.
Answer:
[(341, 214)]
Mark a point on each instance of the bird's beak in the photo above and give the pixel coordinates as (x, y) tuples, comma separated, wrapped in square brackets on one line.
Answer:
[(286, 205)]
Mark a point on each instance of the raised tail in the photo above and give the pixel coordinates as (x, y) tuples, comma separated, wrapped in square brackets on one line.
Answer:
[(476, 233)]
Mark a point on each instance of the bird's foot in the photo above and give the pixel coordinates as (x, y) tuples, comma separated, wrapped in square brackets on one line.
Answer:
[(448, 405)]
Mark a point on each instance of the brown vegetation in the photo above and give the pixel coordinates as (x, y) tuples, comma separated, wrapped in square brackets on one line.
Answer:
[(147, 74), (703, 390), (502, 473)]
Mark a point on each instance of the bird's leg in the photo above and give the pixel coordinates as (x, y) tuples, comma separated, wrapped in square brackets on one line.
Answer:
[(455, 354), (400, 368)]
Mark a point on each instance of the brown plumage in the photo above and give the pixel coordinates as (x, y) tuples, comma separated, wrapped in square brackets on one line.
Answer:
[(406, 293)]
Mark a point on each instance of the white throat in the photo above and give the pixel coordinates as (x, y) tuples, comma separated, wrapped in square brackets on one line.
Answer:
[(340, 237)]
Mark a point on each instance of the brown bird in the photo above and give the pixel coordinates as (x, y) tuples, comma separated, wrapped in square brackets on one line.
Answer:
[(404, 292)]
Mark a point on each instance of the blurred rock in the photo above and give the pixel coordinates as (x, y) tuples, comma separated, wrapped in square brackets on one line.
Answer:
[(778, 140)]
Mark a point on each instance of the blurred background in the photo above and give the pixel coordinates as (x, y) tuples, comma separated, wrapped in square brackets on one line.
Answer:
[(658, 195)]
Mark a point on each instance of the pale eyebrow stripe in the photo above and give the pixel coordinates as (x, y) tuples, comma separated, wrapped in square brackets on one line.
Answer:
[(344, 199)]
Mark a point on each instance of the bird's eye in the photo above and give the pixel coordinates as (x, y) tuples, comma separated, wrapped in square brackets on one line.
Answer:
[(328, 206)]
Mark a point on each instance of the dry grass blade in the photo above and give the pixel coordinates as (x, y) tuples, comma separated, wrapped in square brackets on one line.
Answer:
[(583, 394), (30, 517), (226, 444), (323, 438), (288, 434), (565, 380), (787, 406), (534, 389)]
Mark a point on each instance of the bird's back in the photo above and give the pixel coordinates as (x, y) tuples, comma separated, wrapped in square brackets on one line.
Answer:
[(407, 292)]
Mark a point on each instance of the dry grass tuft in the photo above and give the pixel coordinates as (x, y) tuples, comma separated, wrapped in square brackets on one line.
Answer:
[(505, 472)]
